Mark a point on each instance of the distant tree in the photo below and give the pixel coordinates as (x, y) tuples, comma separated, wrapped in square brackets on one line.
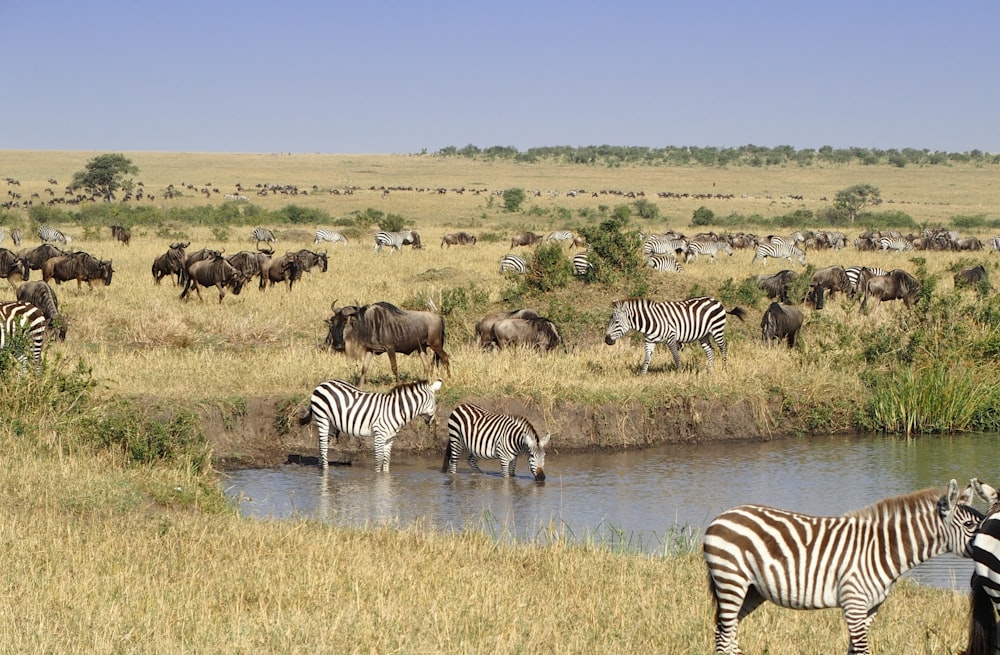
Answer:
[(855, 198), (703, 216), (513, 198), (105, 174)]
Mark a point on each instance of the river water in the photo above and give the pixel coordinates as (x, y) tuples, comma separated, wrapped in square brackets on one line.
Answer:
[(647, 500)]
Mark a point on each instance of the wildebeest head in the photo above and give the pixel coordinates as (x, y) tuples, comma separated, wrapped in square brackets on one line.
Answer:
[(337, 323)]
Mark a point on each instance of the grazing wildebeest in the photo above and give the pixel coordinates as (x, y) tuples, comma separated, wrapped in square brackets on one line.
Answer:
[(80, 266), (170, 262), (215, 272), (776, 286), (484, 326), (308, 260), (286, 268), (538, 332), (780, 322), (249, 263), (525, 239), (42, 296), (382, 327), (458, 239), (896, 285), (121, 233), (37, 256), (832, 279), (970, 276), (13, 267), (968, 243)]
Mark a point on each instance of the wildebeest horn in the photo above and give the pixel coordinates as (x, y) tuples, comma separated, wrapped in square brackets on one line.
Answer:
[(333, 306)]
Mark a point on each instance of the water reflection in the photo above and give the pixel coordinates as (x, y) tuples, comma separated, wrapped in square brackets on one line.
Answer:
[(640, 499)]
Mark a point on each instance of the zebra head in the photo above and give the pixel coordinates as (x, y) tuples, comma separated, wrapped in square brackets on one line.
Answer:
[(536, 455), (427, 403), (959, 521), (620, 323)]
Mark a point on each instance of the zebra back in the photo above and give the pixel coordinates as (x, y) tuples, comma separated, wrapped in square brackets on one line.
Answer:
[(581, 264), (490, 435), (21, 318), (329, 235), (513, 264), (664, 263), (47, 234), (262, 234)]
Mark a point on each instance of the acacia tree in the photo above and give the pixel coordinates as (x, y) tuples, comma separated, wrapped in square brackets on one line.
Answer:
[(854, 199), (105, 174)]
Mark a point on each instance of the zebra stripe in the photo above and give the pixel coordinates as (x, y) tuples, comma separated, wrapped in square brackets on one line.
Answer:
[(2, 235), (581, 264), (994, 243), (329, 235), (781, 250), (513, 264), (710, 248), (392, 240), (561, 235), (340, 407), (896, 244), (262, 234), (15, 236), (22, 318), (696, 319), (985, 552), (857, 274), (488, 435), (799, 561), (660, 244), (47, 234), (666, 263)]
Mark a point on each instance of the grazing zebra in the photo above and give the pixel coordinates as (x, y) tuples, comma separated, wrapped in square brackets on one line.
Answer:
[(778, 250), (710, 248), (513, 264), (661, 244), (22, 317), (985, 599), (329, 235), (757, 553), (488, 435), (340, 407), (896, 244), (667, 263), (47, 234), (856, 275), (674, 322), (393, 240), (581, 264), (262, 234)]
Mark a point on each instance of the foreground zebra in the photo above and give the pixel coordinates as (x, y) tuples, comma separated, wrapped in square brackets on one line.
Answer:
[(340, 407), (488, 435), (985, 598), (513, 264), (22, 318), (677, 322), (263, 235), (329, 235), (757, 553)]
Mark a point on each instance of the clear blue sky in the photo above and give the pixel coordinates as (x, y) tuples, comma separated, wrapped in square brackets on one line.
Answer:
[(398, 77)]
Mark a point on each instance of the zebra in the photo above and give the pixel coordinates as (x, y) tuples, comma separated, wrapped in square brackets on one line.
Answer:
[(678, 322), (489, 435), (994, 242), (856, 275), (329, 235), (513, 264), (581, 264), (47, 234), (779, 250), (392, 240), (757, 553), (710, 248), (667, 263), (22, 317), (985, 598), (565, 236), (15, 236), (896, 244), (262, 234), (661, 244), (341, 407)]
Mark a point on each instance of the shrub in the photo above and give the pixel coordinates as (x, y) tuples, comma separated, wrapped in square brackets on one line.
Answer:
[(703, 216), (513, 198)]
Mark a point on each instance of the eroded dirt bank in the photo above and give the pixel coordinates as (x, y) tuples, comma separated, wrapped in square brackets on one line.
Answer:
[(265, 432)]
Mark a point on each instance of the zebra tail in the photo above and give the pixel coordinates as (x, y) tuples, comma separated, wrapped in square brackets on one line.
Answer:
[(982, 620), (447, 456), (738, 312)]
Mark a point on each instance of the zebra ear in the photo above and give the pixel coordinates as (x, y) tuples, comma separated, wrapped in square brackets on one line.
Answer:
[(948, 502), (544, 441), (984, 491), (436, 385)]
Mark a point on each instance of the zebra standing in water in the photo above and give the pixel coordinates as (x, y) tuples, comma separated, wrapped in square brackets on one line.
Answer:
[(22, 318), (340, 407), (696, 319), (262, 234), (756, 553), (513, 264), (711, 248), (489, 435), (778, 249), (985, 599), (329, 235), (47, 234)]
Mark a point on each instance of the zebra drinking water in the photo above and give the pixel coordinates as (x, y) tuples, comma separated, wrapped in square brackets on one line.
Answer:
[(340, 407), (488, 435), (674, 322), (22, 318), (513, 264), (329, 235), (757, 553)]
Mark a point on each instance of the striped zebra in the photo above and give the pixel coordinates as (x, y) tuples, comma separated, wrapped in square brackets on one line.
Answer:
[(778, 250), (22, 318), (993, 243), (15, 236), (263, 235), (856, 275), (513, 264), (50, 234), (581, 264), (392, 240), (666, 263), (711, 248), (674, 322), (985, 598), (331, 236), (340, 407), (564, 237), (757, 553), (488, 435), (661, 244), (896, 244)]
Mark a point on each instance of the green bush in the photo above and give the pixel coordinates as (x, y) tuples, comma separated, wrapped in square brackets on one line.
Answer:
[(513, 198), (703, 216)]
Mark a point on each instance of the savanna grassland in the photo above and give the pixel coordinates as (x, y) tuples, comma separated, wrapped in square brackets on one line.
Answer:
[(118, 538)]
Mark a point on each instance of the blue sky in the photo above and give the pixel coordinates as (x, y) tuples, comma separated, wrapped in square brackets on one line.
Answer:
[(400, 77)]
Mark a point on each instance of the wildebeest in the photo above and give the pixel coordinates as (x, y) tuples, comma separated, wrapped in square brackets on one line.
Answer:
[(80, 266), (538, 332), (37, 256), (286, 268), (970, 276), (170, 262), (777, 285), (458, 239), (216, 272), (525, 239), (308, 260), (484, 326), (13, 267), (249, 263), (780, 322), (968, 243), (382, 327), (42, 296), (122, 234), (832, 279), (897, 284)]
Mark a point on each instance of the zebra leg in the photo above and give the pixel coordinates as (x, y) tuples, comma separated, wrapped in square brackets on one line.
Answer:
[(323, 428), (386, 452), (474, 463), (379, 451), (675, 352), (858, 618), (649, 355), (706, 345)]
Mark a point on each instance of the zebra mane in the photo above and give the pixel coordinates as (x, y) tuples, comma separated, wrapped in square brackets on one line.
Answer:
[(927, 498)]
